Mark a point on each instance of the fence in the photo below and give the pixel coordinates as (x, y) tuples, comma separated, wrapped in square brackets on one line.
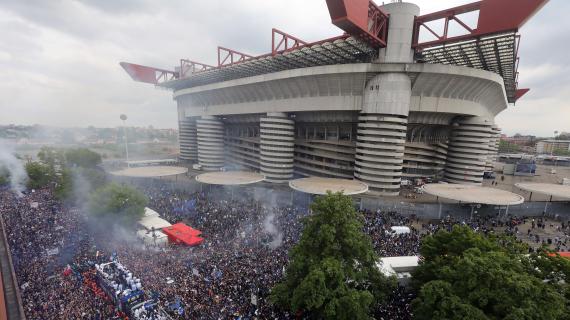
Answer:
[(283, 196)]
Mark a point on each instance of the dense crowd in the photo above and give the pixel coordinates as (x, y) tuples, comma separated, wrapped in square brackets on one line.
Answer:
[(229, 276), (45, 236)]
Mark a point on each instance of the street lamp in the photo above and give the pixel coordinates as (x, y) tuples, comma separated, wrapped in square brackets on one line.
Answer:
[(124, 118)]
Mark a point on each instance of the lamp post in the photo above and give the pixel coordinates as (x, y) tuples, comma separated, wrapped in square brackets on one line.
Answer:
[(124, 118)]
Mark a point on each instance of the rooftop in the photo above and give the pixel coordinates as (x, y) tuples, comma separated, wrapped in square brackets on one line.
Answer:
[(150, 172), (229, 178), (473, 194), (550, 189), (321, 186)]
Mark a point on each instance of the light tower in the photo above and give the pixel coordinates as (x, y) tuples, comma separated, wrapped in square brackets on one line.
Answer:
[(124, 118)]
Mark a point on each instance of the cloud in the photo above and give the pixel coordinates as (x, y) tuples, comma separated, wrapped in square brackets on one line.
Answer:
[(61, 57)]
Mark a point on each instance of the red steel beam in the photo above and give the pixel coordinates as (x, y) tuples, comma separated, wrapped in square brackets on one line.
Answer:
[(192, 67), (360, 18), (148, 74), (285, 43), (225, 54), (495, 16), (521, 92)]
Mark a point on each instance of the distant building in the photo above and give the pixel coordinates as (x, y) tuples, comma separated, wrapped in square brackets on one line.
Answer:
[(519, 140), (548, 146)]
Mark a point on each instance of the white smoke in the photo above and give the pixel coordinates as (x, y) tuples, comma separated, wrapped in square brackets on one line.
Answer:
[(14, 167), (270, 228)]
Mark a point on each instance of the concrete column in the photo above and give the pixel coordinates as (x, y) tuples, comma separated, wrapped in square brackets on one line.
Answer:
[(210, 143), (277, 146), (468, 150), (383, 121), (188, 139), (382, 127), (400, 32)]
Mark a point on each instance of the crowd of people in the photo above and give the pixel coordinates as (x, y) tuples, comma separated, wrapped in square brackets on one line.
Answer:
[(229, 276), (44, 236)]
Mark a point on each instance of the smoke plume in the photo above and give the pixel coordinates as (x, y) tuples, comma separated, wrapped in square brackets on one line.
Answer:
[(14, 167), (270, 227)]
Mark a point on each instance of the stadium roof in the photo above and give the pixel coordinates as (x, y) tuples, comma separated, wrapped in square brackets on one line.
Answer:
[(491, 44), (496, 53), (338, 50)]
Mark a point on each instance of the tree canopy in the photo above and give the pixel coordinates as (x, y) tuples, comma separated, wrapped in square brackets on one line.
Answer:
[(332, 272), (466, 275), (39, 174), (117, 203), (51, 156), (73, 170), (82, 157)]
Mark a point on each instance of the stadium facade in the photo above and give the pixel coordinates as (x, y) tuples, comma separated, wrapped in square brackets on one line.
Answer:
[(391, 99)]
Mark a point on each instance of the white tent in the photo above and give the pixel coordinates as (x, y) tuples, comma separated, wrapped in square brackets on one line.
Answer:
[(400, 229), (400, 267), (152, 219), (148, 212), (158, 239), (153, 222)]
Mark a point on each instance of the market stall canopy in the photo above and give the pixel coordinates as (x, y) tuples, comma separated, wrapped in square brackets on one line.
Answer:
[(230, 178), (150, 172), (317, 185), (473, 194), (550, 189)]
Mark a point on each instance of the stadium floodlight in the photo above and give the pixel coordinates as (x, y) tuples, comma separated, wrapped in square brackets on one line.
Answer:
[(124, 118)]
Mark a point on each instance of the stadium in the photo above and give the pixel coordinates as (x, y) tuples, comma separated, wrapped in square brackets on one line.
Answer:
[(397, 96)]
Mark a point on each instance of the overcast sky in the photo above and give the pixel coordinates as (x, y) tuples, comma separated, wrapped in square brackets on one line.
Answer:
[(59, 58)]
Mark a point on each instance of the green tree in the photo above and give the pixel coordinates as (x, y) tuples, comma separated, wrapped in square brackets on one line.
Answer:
[(74, 184), (117, 204), (332, 273), (466, 275), (64, 186), (51, 156), (82, 157), (555, 271), (39, 174)]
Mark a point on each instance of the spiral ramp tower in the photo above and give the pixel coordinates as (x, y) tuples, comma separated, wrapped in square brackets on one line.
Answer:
[(277, 147), (210, 143), (188, 140), (380, 152), (468, 151)]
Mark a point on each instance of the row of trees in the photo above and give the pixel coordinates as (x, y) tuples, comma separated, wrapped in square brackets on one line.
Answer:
[(332, 273), (77, 178)]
